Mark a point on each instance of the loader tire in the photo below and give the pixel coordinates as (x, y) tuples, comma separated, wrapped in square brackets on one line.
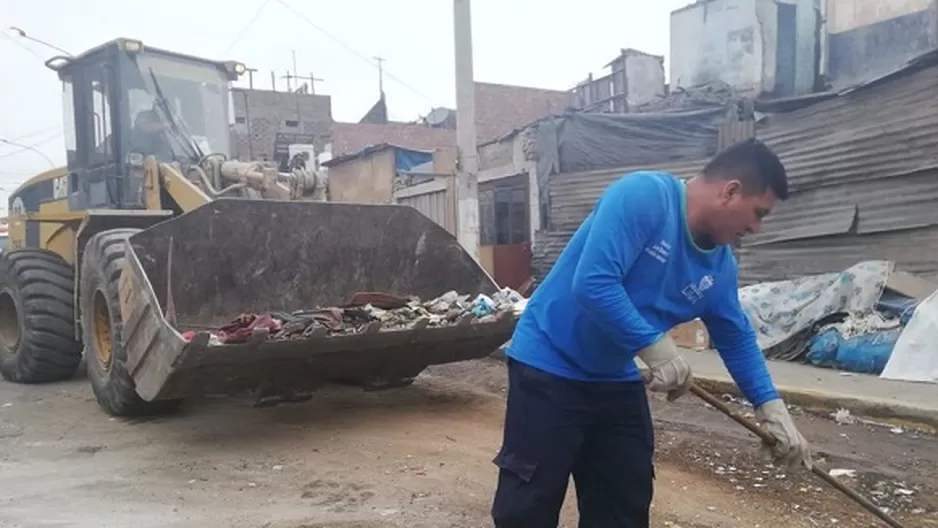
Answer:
[(37, 318), (102, 326)]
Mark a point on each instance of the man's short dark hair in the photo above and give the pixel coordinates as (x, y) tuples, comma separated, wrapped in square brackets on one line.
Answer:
[(754, 164)]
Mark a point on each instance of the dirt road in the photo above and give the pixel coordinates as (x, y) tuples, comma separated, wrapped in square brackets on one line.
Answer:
[(415, 457)]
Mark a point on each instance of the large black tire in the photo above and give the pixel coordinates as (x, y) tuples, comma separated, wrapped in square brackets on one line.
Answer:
[(102, 326), (37, 318)]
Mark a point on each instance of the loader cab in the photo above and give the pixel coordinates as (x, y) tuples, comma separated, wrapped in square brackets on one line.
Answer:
[(124, 101)]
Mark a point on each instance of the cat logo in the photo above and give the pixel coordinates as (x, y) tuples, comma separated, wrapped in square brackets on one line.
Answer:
[(60, 188), (17, 208)]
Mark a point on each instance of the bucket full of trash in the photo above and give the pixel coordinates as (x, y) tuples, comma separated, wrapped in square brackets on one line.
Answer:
[(283, 297)]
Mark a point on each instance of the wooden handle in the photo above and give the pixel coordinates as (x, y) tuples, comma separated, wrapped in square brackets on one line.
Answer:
[(767, 437)]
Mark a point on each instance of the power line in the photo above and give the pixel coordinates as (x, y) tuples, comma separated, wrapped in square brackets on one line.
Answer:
[(339, 41), (32, 146), (35, 133), (244, 30)]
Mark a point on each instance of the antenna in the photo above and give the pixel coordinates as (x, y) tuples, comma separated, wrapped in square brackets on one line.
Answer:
[(380, 75)]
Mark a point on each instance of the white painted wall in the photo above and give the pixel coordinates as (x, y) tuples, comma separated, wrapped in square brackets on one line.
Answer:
[(844, 15), (719, 40), (736, 41), (645, 77)]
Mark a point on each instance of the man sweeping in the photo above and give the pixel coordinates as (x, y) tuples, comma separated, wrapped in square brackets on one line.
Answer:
[(655, 252)]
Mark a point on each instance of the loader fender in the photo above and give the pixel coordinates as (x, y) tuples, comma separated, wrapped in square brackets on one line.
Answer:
[(102, 328)]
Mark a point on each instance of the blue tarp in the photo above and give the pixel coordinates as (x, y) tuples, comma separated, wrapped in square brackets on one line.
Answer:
[(863, 354), (404, 159)]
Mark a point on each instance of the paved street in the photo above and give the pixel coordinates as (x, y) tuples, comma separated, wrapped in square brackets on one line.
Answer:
[(415, 457)]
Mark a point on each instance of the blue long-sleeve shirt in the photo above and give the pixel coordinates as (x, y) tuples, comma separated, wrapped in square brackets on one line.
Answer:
[(631, 272)]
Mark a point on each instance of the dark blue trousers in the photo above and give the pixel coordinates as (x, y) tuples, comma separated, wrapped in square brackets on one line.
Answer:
[(601, 433)]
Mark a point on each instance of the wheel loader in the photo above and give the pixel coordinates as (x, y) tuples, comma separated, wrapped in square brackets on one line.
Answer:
[(153, 234)]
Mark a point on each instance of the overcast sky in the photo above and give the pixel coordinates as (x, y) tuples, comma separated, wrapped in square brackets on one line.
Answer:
[(524, 42)]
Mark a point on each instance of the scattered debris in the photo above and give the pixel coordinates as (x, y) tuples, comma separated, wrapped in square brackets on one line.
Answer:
[(852, 473), (843, 417), (90, 449)]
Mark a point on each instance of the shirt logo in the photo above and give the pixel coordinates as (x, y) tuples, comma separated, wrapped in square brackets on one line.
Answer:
[(659, 251), (695, 291)]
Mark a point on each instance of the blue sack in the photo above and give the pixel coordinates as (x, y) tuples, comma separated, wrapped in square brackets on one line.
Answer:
[(863, 354)]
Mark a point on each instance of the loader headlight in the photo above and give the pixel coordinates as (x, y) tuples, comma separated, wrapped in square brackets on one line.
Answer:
[(133, 46), (235, 69), (135, 159)]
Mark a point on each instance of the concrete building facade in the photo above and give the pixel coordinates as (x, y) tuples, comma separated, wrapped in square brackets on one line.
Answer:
[(635, 78), (868, 38), (793, 47), (756, 46)]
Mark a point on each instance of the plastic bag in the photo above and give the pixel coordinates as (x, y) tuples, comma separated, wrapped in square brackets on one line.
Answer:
[(915, 357)]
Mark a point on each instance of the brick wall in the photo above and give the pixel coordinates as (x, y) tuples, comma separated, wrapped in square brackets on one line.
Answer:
[(502, 108), (269, 112)]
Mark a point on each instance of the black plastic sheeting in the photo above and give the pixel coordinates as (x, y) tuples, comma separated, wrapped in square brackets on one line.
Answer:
[(579, 142)]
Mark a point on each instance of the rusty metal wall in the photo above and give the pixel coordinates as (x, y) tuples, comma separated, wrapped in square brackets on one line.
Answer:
[(863, 171)]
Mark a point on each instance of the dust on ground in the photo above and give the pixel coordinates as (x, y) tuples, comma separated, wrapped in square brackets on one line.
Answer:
[(412, 457)]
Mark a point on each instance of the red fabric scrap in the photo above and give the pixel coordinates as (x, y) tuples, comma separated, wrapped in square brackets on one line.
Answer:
[(241, 329)]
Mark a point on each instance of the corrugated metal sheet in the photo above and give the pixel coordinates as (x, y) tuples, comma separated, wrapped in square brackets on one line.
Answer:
[(572, 195), (882, 131), (867, 206), (734, 130), (794, 220), (436, 205), (913, 250), (547, 248), (863, 171)]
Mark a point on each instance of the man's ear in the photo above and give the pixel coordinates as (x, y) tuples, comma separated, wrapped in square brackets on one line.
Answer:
[(730, 190)]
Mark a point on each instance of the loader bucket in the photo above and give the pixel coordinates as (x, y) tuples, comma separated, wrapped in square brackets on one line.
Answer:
[(235, 256)]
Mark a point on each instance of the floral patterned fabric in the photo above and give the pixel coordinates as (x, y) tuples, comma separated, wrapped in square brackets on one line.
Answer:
[(780, 310)]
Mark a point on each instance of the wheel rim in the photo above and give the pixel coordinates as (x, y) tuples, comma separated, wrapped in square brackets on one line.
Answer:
[(9, 321), (101, 330)]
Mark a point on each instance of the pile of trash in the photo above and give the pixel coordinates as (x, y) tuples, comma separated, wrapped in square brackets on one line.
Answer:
[(368, 312), (850, 321)]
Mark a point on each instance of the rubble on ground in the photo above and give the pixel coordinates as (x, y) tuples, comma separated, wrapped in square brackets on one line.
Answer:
[(369, 312)]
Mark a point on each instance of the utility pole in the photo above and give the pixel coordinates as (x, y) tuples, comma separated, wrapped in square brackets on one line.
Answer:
[(380, 61), (467, 171), (294, 62)]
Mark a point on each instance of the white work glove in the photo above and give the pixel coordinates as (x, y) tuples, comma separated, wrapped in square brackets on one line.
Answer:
[(667, 370), (792, 448)]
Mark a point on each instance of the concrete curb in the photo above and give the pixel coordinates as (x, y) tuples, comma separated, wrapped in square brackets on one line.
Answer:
[(887, 411), (897, 413)]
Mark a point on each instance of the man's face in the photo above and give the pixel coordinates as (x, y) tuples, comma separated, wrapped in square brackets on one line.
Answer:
[(738, 214)]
